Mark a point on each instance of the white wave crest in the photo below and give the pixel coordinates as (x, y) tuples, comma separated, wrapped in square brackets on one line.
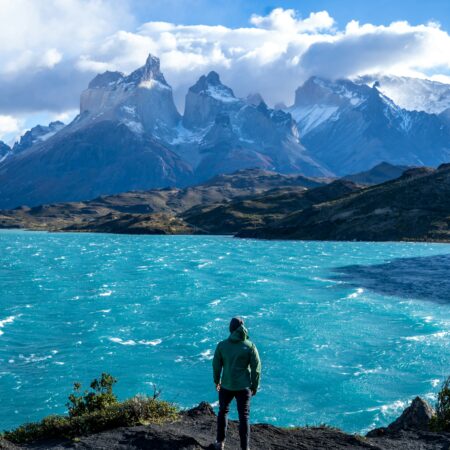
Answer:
[(427, 337), (356, 294), (214, 303), (152, 343), (4, 322), (121, 341), (133, 342), (105, 293), (206, 355)]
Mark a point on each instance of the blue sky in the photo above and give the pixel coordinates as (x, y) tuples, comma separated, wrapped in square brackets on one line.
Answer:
[(51, 49), (236, 13)]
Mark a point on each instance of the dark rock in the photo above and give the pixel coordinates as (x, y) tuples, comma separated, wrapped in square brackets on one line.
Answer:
[(415, 417), (204, 408)]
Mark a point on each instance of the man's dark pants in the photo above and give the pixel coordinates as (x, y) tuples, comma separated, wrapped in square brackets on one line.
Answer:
[(243, 407)]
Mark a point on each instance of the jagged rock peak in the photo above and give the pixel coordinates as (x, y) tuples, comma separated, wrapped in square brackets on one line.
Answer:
[(213, 78), (151, 70), (212, 85)]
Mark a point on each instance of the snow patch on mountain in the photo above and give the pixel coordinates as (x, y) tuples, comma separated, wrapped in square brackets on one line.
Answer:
[(184, 135), (221, 94), (412, 94), (310, 117), (153, 84), (134, 126)]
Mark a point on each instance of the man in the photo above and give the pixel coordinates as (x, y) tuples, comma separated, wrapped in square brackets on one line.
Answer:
[(237, 369)]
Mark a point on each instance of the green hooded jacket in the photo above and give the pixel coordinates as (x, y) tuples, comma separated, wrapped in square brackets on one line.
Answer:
[(236, 363)]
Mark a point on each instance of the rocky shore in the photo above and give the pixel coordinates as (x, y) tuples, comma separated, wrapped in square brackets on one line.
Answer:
[(195, 429)]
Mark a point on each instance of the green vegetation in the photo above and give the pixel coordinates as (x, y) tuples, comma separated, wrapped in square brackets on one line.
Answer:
[(96, 410), (441, 421), (100, 398)]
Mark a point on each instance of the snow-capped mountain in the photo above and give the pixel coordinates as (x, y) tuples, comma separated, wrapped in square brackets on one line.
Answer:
[(349, 127), (39, 133), (142, 101), (234, 133), (115, 144), (319, 100), (413, 94), (129, 135)]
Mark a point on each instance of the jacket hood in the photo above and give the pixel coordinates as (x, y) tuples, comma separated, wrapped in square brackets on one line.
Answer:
[(239, 334)]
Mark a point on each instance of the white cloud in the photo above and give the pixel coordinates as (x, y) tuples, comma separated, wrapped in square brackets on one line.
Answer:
[(286, 21), (8, 124), (9, 128), (41, 42), (274, 54), (40, 33)]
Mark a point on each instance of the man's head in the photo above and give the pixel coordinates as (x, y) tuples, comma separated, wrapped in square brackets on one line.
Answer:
[(235, 323)]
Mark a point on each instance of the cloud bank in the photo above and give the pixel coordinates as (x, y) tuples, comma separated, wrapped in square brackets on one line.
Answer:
[(50, 50)]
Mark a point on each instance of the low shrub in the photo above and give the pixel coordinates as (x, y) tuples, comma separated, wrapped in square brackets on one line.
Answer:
[(100, 397), (95, 411), (441, 420)]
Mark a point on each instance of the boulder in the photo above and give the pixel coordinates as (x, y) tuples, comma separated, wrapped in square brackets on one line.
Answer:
[(415, 417)]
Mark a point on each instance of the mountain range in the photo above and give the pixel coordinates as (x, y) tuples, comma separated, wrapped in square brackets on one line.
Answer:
[(129, 135)]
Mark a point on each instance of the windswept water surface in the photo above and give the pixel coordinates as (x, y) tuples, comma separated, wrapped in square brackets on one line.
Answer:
[(348, 332)]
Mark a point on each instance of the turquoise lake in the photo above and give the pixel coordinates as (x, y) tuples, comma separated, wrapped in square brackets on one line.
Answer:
[(348, 332)]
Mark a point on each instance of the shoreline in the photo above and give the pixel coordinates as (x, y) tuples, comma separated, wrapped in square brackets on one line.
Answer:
[(278, 239)]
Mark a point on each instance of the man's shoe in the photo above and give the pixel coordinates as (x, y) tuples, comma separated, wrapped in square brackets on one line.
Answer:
[(219, 445)]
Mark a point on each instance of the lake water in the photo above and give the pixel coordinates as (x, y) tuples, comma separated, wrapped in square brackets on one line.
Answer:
[(348, 332)]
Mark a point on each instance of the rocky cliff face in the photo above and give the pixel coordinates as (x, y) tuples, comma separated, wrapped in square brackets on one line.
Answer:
[(207, 99), (238, 134), (142, 101)]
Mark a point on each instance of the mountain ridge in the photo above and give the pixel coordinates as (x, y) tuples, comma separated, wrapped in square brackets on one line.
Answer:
[(334, 128)]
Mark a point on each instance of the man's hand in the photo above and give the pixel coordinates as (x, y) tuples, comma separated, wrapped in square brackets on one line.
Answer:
[(218, 387)]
